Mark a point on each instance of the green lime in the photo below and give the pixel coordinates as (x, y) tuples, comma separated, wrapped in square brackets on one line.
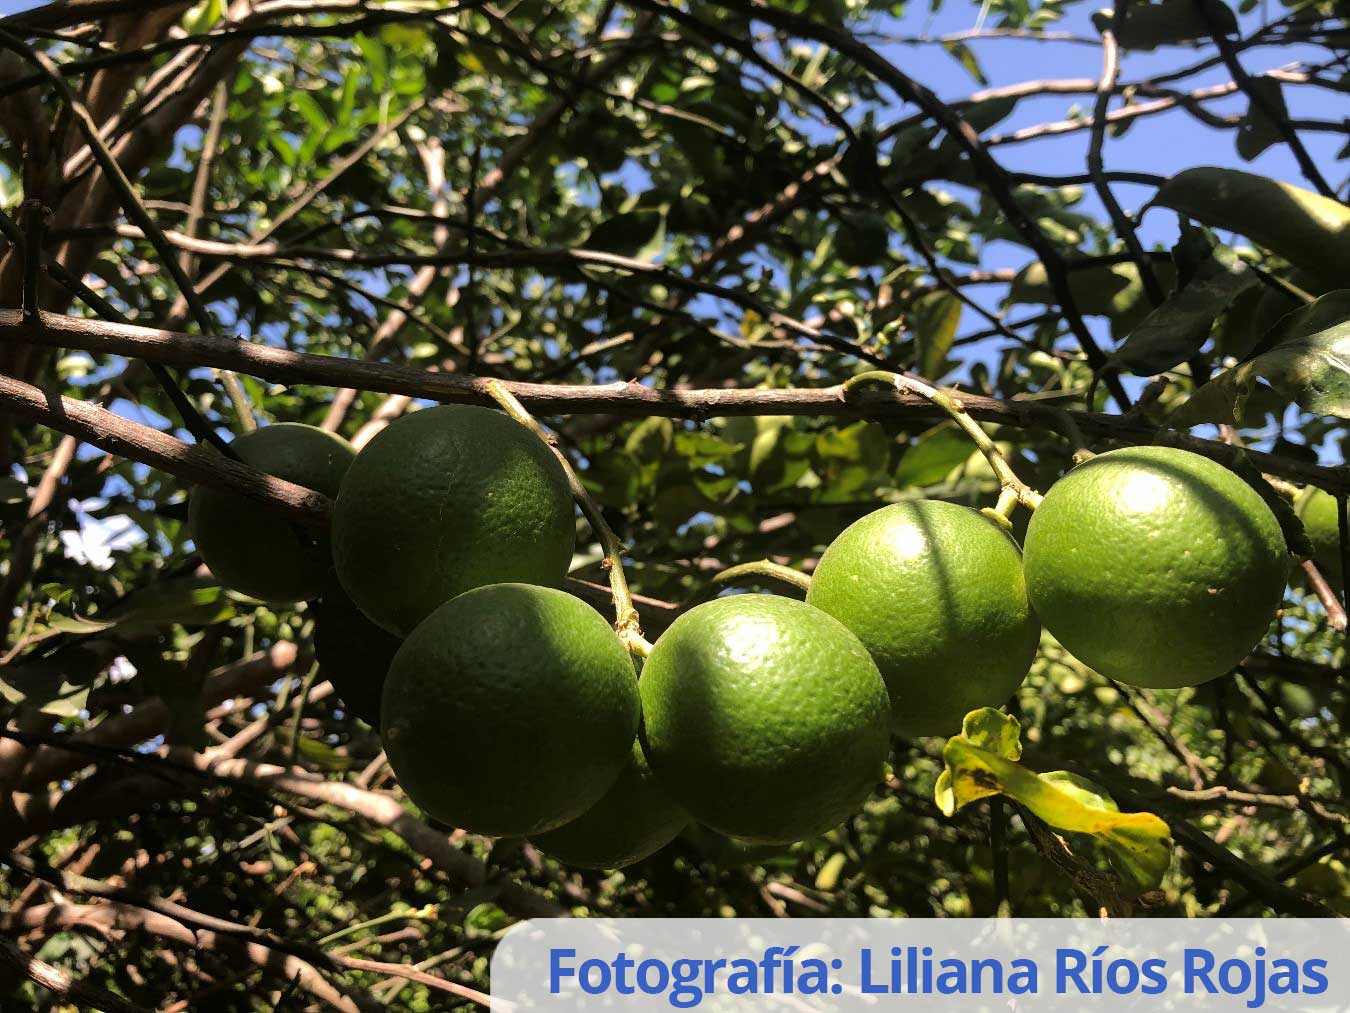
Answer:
[(764, 717), (935, 592), (254, 550), (510, 710), (1319, 512), (635, 819), (445, 500), (1155, 566), (353, 653)]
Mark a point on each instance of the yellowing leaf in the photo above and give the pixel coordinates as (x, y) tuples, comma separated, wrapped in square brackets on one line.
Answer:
[(1139, 844)]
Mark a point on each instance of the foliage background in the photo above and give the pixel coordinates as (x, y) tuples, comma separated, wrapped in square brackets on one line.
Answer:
[(435, 145)]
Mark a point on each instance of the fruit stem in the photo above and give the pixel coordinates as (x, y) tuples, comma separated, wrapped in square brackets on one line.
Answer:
[(761, 568), (626, 623), (952, 405)]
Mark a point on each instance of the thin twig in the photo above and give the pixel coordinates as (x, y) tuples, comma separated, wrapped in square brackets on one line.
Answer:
[(626, 623)]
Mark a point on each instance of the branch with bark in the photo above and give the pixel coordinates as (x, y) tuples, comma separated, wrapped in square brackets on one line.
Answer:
[(278, 365)]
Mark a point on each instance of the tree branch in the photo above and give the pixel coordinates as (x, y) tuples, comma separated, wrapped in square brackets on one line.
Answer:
[(100, 427), (61, 984), (628, 399)]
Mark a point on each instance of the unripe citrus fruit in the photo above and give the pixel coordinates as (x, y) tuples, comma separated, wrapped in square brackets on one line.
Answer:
[(510, 710), (353, 653), (635, 819), (1155, 566), (764, 717), (445, 500), (255, 550), (1319, 512), (936, 594)]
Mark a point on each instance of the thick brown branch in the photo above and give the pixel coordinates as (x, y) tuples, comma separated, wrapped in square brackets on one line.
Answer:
[(60, 984), (136, 442), (628, 399), (67, 13)]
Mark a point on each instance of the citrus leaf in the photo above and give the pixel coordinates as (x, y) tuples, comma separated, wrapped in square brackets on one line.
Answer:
[(934, 455), (1169, 23), (1176, 330), (1306, 360), (1139, 844), (993, 731), (322, 755), (627, 234), (191, 601), (1258, 131), (963, 55), (1295, 537), (1307, 229), (828, 876), (935, 320), (12, 490), (58, 683)]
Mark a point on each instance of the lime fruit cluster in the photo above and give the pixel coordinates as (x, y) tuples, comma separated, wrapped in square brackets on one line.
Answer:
[(1155, 566), (509, 707)]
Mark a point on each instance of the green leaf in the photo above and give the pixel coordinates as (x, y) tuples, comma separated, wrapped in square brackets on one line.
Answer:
[(1306, 360), (828, 876), (933, 456), (202, 17), (1097, 290), (1309, 230), (191, 601), (1258, 131), (963, 55), (1176, 330), (1139, 845), (628, 233), (322, 755), (308, 107), (1295, 537), (57, 683), (934, 322), (12, 490), (1169, 23), (650, 439)]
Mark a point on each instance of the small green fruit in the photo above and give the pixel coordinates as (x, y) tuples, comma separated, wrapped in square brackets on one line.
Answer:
[(1155, 566), (254, 550), (936, 594), (1320, 514), (353, 653), (445, 500), (635, 819), (510, 710), (764, 717)]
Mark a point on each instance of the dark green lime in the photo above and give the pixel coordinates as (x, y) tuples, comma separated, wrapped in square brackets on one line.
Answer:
[(510, 710), (445, 500), (255, 550), (1155, 566), (635, 819)]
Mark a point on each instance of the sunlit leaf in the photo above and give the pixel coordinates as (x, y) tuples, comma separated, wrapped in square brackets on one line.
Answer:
[(1175, 330), (1139, 844)]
